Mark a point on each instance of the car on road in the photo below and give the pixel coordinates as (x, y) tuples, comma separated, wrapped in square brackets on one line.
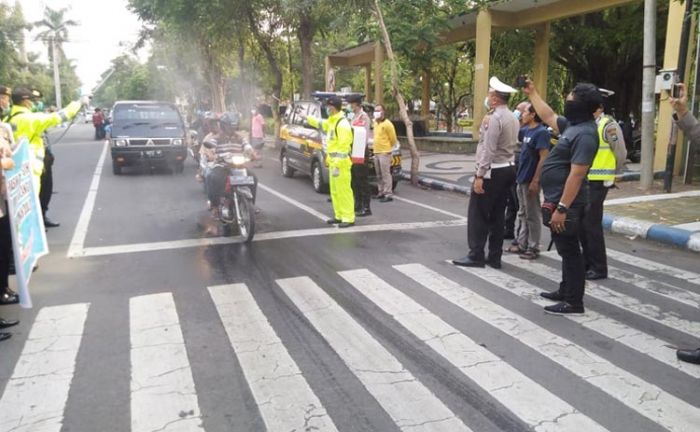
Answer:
[(147, 133), (302, 145)]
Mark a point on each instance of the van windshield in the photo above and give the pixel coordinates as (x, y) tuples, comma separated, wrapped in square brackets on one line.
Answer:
[(146, 120)]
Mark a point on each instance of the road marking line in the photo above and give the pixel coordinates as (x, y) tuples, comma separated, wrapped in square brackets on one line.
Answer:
[(425, 206), (662, 289), (276, 235), (37, 392), (294, 202), (646, 198), (690, 277), (647, 399), (284, 398), (637, 340), (407, 401), (625, 302), (78, 240), (163, 394), (531, 402)]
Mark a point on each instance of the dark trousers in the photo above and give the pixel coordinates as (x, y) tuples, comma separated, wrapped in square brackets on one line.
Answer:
[(573, 270), (5, 252), (591, 234), (512, 207), (46, 182), (487, 213), (361, 189), (215, 184)]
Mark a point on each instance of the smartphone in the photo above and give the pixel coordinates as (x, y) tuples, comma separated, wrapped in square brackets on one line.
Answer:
[(521, 81), (676, 91)]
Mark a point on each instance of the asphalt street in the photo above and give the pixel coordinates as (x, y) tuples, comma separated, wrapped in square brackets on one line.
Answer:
[(145, 319)]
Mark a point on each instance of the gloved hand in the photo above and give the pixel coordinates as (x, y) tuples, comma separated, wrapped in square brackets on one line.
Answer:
[(85, 100)]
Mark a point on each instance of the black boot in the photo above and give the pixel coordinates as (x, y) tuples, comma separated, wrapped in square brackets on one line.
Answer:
[(690, 356)]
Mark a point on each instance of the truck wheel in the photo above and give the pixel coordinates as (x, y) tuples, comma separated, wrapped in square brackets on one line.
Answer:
[(287, 171), (116, 168), (179, 167)]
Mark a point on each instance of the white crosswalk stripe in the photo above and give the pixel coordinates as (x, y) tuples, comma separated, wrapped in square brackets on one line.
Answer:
[(36, 394), (669, 319), (638, 340), (536, 406), (163, 395), (285, 399), (409, 403), (659, 268), (647, 399)]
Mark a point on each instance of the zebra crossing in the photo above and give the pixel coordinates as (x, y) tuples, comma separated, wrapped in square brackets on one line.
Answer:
[(411, 297)]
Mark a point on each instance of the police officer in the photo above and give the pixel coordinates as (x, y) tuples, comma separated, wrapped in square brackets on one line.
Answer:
[(361, 189), (495, 174), (46, 190), (338, 146), (609, 161)]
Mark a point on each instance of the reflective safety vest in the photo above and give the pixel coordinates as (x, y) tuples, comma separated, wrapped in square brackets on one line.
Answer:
[(604, 163)]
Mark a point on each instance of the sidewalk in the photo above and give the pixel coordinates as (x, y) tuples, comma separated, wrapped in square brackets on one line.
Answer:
[(668, 218)]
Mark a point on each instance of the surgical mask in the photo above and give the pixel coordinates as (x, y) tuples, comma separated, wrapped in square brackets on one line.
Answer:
[(577, 112), (38, 107), (518, 114), (377, 115), (487, 105)]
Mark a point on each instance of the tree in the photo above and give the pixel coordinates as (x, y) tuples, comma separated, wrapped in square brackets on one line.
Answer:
[(55, 34)]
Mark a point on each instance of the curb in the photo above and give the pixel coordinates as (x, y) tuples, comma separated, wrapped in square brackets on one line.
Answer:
[(617, 224), (635, 176)]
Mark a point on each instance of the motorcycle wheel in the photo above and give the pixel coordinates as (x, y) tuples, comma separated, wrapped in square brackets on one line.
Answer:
[(246, 218)]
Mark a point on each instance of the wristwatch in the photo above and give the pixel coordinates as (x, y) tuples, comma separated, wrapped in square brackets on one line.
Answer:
[(561, 208)]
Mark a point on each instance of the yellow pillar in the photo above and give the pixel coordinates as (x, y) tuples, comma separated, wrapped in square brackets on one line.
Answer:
[(378, 73), (673, 40), (541, 69), (327, 73), (425, 95), (481, 66), (368, 82)]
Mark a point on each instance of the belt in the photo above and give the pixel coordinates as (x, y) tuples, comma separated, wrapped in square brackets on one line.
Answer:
[(502, 165), (338, 155)]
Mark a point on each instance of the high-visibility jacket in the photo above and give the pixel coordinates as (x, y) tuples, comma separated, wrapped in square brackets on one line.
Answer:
[(31, 125), (338, 132), (604, 164)]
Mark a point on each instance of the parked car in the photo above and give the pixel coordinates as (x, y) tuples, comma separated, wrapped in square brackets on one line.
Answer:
[(147, 133), (302, 145)]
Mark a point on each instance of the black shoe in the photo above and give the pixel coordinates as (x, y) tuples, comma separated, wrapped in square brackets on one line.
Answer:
[(346, 224), (5, 336), (564, 308), (690, 356), (7, 298), (467, 262), (377, 197), (386, 199), (552, 295), (333, 221), (48, 223), (494, 263), (8, 323), (363, 213), (508, 235), (594, 275)]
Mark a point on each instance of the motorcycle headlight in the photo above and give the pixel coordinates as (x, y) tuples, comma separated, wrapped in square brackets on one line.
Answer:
[(238, 160), (177, 142), (120, 143)]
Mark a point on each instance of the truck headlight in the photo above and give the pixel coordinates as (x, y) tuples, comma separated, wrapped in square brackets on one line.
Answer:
[(177, 142), (120, 143)]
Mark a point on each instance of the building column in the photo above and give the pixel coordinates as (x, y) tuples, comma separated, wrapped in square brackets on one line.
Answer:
[(481, 67), (676, 10), (541, 63), (378, 73), (368, 82), (425, 95)]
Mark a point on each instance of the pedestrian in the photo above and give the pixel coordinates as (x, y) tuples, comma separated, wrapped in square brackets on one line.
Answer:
[(257, 135), (535, 149), (609, 161), (361, 189), (98, 120), (46, 180), (691, 128), (339, 144), (512, 204), (384, 139), (565, 188), (495, 174)]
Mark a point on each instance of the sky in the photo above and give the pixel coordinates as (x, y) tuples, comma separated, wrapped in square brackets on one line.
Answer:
[(95, 41)]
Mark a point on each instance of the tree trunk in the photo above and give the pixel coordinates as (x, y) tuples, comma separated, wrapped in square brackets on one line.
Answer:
[(403, 111), (305, 34), (56, 74), (215, 80)]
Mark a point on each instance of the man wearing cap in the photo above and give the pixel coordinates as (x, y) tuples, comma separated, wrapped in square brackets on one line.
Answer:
[(609, 161), (495, 174), (32, 125), (362, 192), (338, 146)]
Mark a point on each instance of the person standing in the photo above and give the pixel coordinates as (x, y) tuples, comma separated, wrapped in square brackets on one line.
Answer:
[(98, 120), (512, 204), (338, 146), (257, 136), (46, 180), (608, 162), (565, 188), (384, 139), (361, 189), (495, 174)]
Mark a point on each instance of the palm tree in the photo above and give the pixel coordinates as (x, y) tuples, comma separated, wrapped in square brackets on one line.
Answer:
[(55, 34)]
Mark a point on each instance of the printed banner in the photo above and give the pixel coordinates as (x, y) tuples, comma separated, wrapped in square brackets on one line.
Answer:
[(26, 221)]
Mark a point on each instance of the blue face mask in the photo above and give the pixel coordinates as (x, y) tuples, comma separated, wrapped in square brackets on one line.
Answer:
[(518, 114), (38, 106), (487, 105)]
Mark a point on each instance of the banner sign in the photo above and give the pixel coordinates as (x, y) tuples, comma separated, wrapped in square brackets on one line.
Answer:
[(26, 220)]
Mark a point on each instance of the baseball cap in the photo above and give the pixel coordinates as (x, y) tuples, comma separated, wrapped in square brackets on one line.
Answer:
[(21, 93), (335, 101)]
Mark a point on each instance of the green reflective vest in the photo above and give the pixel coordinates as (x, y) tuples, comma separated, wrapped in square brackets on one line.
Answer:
[(604, 163)]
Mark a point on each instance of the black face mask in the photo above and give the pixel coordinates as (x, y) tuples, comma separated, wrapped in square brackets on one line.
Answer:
[(577, 112)]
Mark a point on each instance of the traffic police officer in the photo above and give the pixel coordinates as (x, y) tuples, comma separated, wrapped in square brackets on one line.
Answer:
[(609, 161), (338, 146), (361, 189), (47, 175), (32, 125), (495, 174)]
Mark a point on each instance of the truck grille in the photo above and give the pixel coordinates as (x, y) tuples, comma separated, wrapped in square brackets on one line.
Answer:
[(144, 141)]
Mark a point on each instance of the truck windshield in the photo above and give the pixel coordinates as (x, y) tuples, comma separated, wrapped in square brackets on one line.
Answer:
[(148, 120)]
